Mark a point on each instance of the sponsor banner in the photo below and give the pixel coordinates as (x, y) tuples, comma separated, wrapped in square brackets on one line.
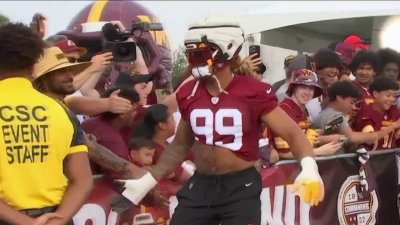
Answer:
[(344, 203)]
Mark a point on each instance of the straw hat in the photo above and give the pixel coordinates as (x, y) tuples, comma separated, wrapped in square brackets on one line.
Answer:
[(54, 59)]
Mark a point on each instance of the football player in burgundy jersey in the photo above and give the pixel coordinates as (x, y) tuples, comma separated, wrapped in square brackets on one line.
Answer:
[(301, 90), (381, 114), (221, 118)]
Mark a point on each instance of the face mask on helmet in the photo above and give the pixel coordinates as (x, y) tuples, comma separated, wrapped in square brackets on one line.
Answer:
[(210, 46), (204, 59)]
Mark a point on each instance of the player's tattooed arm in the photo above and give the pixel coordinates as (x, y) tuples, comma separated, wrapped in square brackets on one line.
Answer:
[(175, 153), (108, 160)]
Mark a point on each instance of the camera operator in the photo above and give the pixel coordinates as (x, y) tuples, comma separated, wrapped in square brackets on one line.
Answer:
[(137, 64), (107, 76)]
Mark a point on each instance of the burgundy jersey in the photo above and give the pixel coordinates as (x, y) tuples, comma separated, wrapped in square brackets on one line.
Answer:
[(298, 115), (230, 120), (369, 120), (366, 97)]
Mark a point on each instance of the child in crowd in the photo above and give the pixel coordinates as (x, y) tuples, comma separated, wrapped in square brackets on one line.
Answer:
[(142, 152), (381, 114)]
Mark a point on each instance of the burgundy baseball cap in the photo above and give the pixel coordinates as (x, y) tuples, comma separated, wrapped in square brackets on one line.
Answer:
[(346, 52), (68, 46), (357, 42)]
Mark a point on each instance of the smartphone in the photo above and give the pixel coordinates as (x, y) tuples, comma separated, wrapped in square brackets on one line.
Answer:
[(254, 49), (332, 125)]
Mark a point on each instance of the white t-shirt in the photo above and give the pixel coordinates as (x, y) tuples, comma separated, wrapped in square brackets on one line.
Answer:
[(81, 118), (282, 89), (314, 108), (281, 92), (352, 77)]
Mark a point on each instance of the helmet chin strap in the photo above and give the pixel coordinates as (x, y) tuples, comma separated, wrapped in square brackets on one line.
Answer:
[(220, 90), (207, 70)]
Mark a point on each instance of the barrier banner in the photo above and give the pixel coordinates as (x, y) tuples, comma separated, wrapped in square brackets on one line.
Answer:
[(344, 203)]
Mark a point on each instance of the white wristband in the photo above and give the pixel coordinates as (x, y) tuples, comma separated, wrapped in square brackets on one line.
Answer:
[(135, 190), (308, 164)]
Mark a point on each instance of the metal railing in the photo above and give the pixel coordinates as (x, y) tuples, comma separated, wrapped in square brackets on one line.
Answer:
[(341, 156)]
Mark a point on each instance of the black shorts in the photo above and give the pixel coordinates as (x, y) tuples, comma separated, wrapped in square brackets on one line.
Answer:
[(34, 213), (231, 199)]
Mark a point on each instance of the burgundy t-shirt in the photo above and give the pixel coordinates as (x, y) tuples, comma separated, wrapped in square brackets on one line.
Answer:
[(106, 135), (128, 133)]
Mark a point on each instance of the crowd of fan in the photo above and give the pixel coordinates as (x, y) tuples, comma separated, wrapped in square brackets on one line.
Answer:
[(345, 97)]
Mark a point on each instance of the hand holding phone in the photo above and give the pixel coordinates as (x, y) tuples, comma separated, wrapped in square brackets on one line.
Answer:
[(39, 24), (333, 125), (255, 49)]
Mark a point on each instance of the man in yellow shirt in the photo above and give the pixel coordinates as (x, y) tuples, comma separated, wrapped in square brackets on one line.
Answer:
[(44, 166)]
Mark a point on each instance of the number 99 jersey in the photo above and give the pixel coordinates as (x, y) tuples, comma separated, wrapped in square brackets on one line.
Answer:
[(231, 120)]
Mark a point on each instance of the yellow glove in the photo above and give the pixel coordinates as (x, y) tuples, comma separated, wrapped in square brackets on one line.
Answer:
[(308, 184), (312, 135)]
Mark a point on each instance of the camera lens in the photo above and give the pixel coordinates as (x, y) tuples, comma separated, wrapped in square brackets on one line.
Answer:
[(123, 51)]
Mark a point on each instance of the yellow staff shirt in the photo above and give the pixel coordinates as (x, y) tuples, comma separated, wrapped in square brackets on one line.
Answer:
[(37, 134)]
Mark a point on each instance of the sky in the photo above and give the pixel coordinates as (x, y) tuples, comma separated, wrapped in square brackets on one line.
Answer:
[(176, 15)]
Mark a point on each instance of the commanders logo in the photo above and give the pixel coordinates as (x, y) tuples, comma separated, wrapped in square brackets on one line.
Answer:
[(353, 208)]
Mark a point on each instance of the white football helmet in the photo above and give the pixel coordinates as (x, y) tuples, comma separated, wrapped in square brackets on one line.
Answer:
[(210, 45)]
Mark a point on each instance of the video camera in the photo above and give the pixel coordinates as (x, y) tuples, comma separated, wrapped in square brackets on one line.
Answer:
[(115, 40)]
